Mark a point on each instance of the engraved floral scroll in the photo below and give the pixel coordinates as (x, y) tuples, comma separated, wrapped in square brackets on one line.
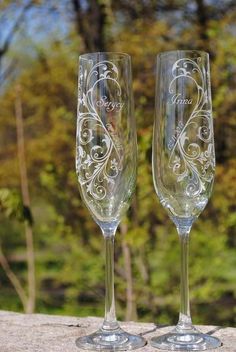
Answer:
[(192, 154), (98, 165)]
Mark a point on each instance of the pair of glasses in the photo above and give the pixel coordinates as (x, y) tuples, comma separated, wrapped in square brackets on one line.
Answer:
[(183, 168)]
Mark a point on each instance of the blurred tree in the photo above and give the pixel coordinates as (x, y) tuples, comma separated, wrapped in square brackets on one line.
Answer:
[(7, 35), (68, 244), (11, 205), (91, 19), (26, 202)]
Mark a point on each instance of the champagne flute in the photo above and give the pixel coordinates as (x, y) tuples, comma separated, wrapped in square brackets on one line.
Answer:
[(106, 158), (183, 167)]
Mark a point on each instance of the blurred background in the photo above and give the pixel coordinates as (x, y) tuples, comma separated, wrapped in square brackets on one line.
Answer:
[(63, 272)]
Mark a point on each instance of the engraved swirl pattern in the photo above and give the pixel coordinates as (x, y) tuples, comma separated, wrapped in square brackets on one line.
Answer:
[(192, 158), (98, 165)]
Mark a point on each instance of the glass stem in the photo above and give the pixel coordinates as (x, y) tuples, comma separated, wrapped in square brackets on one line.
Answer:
[(185, 322), (110, 322)]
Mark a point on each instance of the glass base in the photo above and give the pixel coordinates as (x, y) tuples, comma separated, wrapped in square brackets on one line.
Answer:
[(190, 341), (114, 340)]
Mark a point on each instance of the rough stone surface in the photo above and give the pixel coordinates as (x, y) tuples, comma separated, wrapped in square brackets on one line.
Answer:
[(47, 333)]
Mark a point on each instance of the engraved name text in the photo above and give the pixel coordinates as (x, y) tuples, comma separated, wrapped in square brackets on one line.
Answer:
[(176, 99), (109, 105)]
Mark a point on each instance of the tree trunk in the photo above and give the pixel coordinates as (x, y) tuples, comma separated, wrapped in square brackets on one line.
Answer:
[(202, 19), (131, 309), (13, 279), (26, 202), (91, 23)]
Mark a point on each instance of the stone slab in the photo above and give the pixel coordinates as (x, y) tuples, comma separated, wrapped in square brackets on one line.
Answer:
[(48, 333)]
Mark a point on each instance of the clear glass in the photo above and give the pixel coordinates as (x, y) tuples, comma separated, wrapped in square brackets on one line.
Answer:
[(106, 159), (183, 167)]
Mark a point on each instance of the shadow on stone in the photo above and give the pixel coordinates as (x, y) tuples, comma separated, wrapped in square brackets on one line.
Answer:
[(157, 327), (217, 328)]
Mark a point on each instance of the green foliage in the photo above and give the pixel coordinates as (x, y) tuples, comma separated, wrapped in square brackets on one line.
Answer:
[(68, 244), (11, 204)]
